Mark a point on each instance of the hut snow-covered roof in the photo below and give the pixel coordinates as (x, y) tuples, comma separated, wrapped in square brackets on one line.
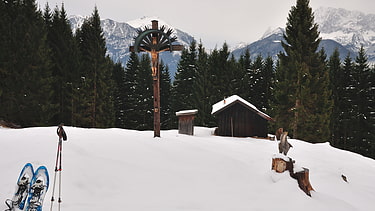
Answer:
[(227, 102)]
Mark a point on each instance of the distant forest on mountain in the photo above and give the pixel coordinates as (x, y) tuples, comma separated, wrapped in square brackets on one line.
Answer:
[(49, 75)]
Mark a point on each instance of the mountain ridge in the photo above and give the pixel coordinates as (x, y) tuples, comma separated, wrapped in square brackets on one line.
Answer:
[(339, 28), (120, 36)]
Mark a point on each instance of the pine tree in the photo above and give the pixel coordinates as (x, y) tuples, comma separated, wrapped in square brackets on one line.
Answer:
[(24, 65), (268, 73), (144, 95), (363, 104), (119, 95), (203, 90), (261, 76), (219, 68), (184, 79), (371, 107), (64, 64), (338, 86), (166, 115), (244, 63), (213, 64), (302, 88), (318, 125), (96, 97), (6, 11), (346, 139), (130, 84), (47, 16), (256, 80), (234, 76)]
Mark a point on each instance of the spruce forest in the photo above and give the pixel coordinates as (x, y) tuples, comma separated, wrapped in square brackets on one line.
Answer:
[(50, 75)]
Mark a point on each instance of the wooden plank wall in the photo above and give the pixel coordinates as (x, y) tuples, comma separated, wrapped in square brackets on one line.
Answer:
[(239, 121)]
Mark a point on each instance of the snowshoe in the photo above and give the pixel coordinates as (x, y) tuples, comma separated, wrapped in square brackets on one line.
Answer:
[(38, 189), (23, 186)]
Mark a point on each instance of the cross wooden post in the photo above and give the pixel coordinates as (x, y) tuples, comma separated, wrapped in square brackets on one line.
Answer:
[(154, 41)]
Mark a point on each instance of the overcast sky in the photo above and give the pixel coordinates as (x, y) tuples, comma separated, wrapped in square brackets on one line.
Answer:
[(212, 21)]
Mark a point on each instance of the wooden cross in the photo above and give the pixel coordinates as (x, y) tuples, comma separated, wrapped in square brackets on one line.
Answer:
[(154, 41)]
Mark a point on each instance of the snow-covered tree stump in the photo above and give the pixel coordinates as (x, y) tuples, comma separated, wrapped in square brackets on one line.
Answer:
[(282, 163), (303, 180)]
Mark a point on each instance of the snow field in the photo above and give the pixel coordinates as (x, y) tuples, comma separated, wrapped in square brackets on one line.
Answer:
[(117, 169)]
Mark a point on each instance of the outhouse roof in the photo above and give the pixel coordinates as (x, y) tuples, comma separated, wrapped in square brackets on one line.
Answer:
[(186, 112)]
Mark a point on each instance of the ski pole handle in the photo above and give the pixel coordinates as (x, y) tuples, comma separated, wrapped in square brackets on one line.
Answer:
[(61, 133)]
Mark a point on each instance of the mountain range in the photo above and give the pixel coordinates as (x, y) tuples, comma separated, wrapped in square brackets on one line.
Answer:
[(120, 36), (339, 28)]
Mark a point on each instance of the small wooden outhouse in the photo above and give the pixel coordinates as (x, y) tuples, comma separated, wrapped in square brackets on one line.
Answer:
[(186, 121)]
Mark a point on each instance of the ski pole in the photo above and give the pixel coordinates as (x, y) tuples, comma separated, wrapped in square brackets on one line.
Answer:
[(60, 170), (54, 179), (58, 166)]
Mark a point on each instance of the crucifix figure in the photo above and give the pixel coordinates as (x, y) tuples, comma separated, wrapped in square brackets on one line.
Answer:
[(154, 41)]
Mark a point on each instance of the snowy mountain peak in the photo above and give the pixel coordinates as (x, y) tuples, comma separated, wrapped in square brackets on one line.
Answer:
[(333, 19), (76, 21), (339, 28), (239, 45), (146, 21), (270, 31), (350, 28), (120, 35), (182, 37)]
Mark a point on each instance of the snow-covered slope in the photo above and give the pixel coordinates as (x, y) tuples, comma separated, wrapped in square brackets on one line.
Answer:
[(116, 169)]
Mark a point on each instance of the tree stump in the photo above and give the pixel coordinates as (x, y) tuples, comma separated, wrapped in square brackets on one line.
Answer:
[(303, 180), (281, 164)]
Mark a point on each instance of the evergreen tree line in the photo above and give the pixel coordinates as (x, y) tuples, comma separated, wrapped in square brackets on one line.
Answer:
[(202, 79), (335, 98), (353, 95), (49, 75)]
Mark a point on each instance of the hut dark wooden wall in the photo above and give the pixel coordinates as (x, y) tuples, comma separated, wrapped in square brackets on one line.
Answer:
[(239, 120)]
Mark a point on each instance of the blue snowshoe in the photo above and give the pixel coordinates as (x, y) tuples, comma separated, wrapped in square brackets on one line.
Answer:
[(38, 189), (22, 190)]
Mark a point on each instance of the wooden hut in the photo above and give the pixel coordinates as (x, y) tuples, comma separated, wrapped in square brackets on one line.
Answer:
[(186, 121), (238, 118)]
